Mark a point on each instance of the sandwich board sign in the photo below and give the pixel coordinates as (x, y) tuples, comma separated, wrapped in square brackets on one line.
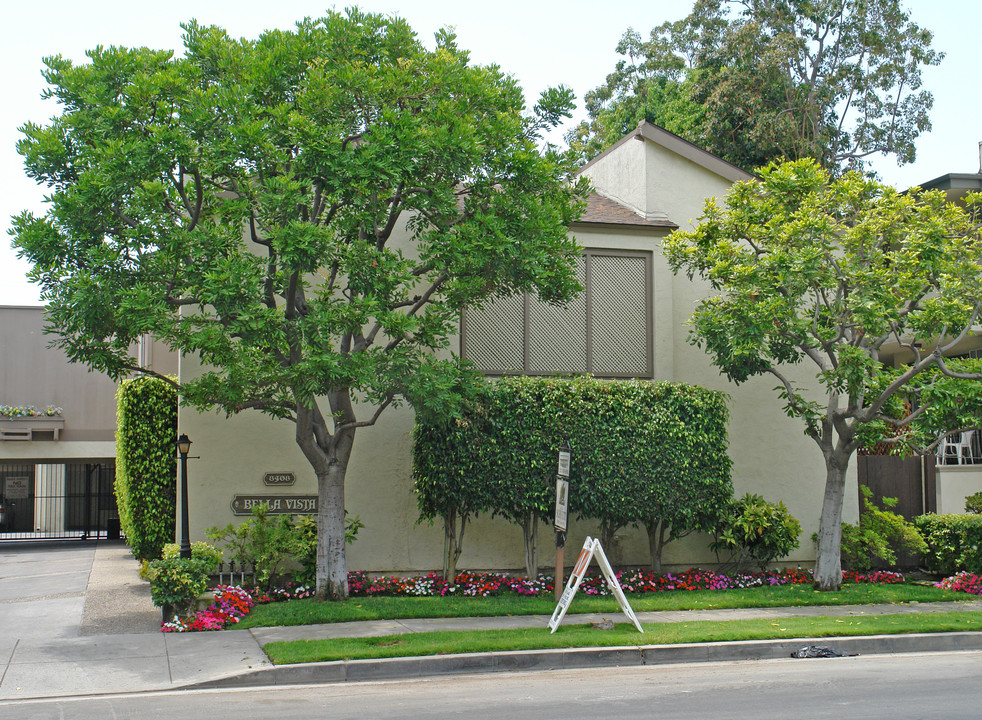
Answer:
[(591, 549)]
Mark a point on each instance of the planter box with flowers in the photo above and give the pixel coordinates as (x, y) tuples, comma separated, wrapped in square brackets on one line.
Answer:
[(22, 422)]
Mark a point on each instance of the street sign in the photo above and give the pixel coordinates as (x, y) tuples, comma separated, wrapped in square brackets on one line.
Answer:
[(591, 549), (562, 503), (564, 456)]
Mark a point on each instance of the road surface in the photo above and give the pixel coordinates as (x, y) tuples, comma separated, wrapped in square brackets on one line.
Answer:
[(941, 685)]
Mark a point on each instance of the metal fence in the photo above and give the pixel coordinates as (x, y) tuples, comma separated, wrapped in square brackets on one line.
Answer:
[(52, 500)]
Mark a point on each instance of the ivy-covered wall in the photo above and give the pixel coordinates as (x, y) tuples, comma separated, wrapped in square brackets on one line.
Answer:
[(146, 470)]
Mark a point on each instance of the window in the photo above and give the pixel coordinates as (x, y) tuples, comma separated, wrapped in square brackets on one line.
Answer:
[(606, 331)]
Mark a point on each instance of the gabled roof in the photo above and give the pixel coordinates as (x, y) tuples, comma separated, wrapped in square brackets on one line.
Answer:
[(602, 210), (680, 146)]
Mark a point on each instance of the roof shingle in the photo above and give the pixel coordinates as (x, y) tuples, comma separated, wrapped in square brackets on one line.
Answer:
[(602, 210)]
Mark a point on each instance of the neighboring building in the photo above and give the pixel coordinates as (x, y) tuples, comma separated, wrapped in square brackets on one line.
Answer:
[(56, 472), (629, 323), (958, 472)]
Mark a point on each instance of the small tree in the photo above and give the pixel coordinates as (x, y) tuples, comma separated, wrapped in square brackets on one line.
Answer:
[(688, 489), (450, 480), (835, 274), (307, 213)]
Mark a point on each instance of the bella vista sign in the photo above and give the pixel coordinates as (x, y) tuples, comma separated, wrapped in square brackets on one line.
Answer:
[(277, 504)]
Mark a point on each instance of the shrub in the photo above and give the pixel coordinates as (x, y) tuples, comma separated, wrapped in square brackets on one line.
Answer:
[(973, 503), (756, 530), (176, 582), (199, 550), (146, 471), (879, 534), (270, 543), (263, 541), (643, 453), (954, 542)]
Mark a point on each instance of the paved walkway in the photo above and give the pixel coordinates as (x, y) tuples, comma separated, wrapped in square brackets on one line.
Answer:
[(77, 619)]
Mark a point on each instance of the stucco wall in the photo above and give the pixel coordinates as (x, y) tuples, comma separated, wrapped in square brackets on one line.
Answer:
[(953, 484)]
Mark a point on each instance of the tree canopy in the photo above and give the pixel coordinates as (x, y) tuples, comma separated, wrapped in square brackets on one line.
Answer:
[(757, 81), (872, 289), (306, 212)]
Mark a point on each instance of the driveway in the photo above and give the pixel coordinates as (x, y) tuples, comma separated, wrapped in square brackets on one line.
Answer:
[(42, 588), (67, 589)]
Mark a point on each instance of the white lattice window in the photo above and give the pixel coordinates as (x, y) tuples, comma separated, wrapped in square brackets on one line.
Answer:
[(606, 331)]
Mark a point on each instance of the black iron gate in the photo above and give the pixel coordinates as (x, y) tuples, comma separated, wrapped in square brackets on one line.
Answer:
[(52, 500)]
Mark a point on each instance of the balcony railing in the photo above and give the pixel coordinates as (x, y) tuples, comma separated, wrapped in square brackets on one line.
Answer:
[(961, 448)]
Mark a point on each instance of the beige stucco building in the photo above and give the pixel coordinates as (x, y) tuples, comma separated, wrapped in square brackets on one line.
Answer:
[(647, 184)]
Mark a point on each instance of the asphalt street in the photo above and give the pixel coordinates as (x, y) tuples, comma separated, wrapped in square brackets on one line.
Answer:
[(898, 687)]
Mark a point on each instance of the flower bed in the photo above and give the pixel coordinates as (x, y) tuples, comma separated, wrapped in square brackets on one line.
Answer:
[(232, 602), (634, 581), (962, 582)]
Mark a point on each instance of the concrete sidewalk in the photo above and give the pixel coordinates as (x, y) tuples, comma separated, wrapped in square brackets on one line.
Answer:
[(101, 635)]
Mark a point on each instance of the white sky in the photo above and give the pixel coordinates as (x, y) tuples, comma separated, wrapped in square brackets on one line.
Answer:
[(541, 42)]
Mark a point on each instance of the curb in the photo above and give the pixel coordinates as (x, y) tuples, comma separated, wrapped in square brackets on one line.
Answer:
[(407, 668)]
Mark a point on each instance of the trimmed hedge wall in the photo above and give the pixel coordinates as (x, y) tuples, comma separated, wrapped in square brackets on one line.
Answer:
[(643, 453), (954, 542), (146, 471)]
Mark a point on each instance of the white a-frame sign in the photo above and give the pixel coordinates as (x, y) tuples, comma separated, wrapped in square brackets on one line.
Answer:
[(591, 549)]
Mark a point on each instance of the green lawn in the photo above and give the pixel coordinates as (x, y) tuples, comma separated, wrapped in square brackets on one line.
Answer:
[(438, 643), (309, 612)]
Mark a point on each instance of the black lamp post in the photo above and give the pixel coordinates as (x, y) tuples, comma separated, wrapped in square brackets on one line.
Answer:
[(184, 447)]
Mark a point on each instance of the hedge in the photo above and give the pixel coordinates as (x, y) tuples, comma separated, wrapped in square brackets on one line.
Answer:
[(146, 471), (643, 453), (954, 542)]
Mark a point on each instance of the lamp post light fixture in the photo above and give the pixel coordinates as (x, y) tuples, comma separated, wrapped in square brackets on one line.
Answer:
[(184, 447)]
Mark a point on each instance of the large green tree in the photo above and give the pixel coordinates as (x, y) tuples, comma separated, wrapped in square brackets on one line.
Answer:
[(760, 80), (306, 212), (870, 289)]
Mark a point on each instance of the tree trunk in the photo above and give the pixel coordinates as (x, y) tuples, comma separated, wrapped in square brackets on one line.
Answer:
[(332, 568), (828, 562), (453, 543), (608, 532), (328, 455), (656, 543), (530, 532)]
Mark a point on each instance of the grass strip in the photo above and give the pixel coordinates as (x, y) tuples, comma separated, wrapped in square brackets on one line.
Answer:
[(312, 612), (442, 643)]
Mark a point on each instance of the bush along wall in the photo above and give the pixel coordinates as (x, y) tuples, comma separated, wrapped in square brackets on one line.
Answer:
[(954, 542), (644, 454), (146, 471)]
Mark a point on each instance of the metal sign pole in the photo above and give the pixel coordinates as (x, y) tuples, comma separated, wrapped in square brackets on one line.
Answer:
[(562, 512)]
